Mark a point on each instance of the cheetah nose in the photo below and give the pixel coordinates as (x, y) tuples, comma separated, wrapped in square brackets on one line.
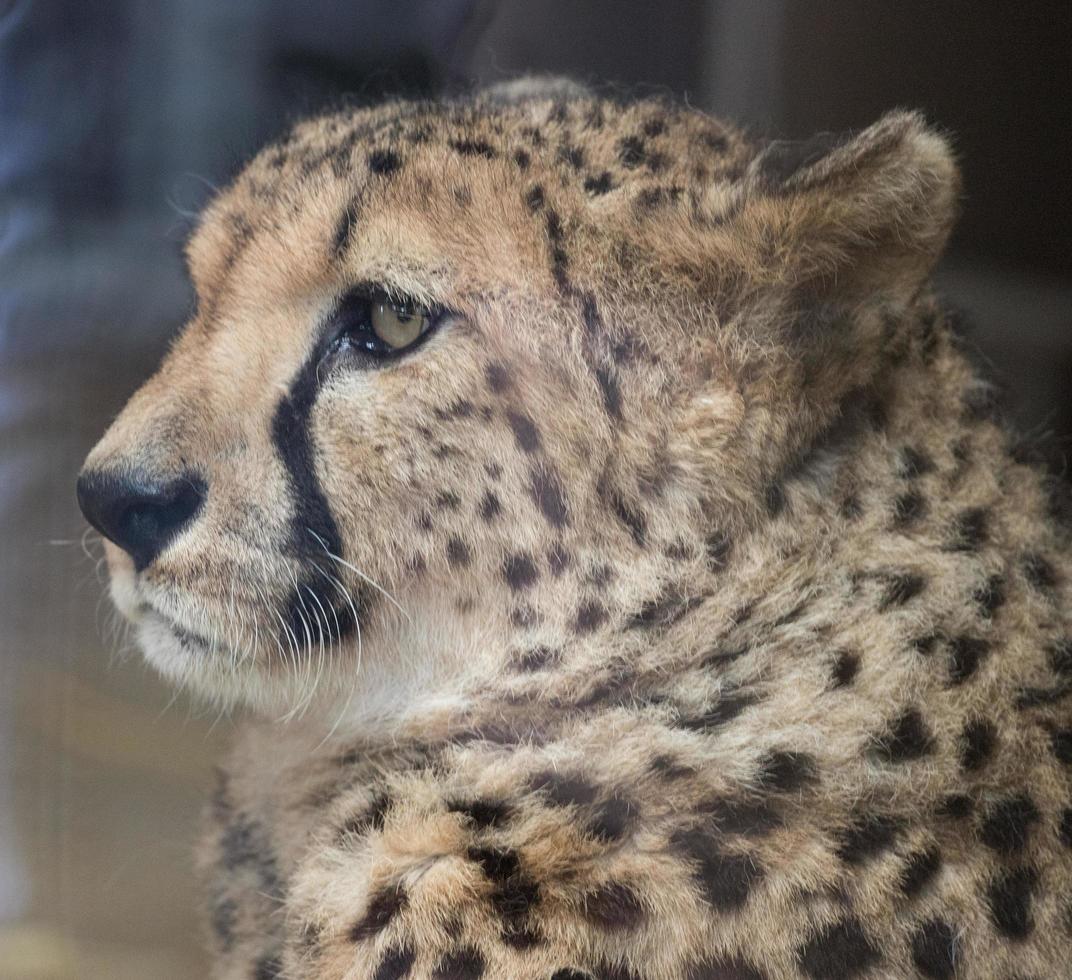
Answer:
[(137, 512)]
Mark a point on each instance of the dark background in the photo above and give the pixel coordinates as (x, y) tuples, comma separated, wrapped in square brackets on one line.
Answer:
[(118, 117)]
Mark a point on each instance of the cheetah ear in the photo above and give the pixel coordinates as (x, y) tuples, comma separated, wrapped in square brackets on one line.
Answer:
[(860, 216)]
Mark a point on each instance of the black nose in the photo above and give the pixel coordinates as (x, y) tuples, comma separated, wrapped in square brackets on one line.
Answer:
[(139, 514)]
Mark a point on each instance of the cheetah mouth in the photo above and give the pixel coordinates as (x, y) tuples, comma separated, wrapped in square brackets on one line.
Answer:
[(189, 640)]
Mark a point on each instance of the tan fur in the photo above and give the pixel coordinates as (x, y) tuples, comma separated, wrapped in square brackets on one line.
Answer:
[(710, 625)]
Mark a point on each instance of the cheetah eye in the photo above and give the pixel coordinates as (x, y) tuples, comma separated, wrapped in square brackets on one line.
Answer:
[(379, 326), (396, 325)]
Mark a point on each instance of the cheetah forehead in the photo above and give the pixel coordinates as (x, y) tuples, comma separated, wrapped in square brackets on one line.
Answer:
[(486, 162)]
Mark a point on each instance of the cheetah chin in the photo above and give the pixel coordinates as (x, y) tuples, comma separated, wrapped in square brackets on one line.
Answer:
[(622, 568)]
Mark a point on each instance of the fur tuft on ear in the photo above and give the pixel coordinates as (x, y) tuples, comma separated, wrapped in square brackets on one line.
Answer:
[(530, 88), (862, 214)]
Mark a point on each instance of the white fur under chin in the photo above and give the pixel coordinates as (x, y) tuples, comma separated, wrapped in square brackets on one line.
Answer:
[(409, 666)]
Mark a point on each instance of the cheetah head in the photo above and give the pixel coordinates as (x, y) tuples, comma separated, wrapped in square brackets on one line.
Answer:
[(467, 382)]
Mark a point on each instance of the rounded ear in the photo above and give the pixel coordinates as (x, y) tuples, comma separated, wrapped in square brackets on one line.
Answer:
[(861, 214), (831, 240)]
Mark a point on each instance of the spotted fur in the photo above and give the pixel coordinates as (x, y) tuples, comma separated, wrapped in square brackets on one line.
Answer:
[(679, 610)]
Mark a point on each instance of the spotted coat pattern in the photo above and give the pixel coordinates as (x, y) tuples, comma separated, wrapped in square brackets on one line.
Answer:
[(778, 679)]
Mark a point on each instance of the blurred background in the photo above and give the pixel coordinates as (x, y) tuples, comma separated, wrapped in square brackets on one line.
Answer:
[(117, 119)]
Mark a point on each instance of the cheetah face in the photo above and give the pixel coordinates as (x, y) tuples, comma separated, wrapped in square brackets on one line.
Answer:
[(451, 392)]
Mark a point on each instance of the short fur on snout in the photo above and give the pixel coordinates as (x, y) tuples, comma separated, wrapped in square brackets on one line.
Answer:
[(679, 608)]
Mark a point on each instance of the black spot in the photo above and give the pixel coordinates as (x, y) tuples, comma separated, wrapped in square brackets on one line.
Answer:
[(534, 198), (1007, 824), (384, 162), (914, 462), (969, 530), (723, 968), (611, 819), (956, 806), (935, 949), (666, 610), (244, 844), (369, 819), (1008, 896), (483, 813), (473, 148), (447, 500), (520, 572), (549, 497), (851, 508), (631, 151), (990, 596), (382, 908), (838, 952), (590, 616), (461, 964), (572, 155), (396, 963), (1061, 740), (1033, 697), (563, 790), (223, 918), (714, 141), (749, 818), (900, 589), (538, 658), (344, 230), (924, 645), (568, 974), (908, 507), (614, 907), (966, 653), (498, 377), (866, 839), (1061, 658), (1064, 829), (525, 432), (599, 185), (786, 771), (719, 545), (774, 499), (608, 388), (977, 744), (490, 507), (908, 738), (268, 967), (668, 767), (559, 258), (458, 552), (633, 519), (522, 159), (514, 895), (846, 667), (919, 870), (1039, 572), (725, 880), (731, 704)]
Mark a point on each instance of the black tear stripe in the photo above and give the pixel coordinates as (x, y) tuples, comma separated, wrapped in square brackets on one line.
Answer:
[(316, 610)]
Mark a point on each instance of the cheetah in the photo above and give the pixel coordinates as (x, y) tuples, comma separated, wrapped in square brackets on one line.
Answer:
[(622, 569)]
